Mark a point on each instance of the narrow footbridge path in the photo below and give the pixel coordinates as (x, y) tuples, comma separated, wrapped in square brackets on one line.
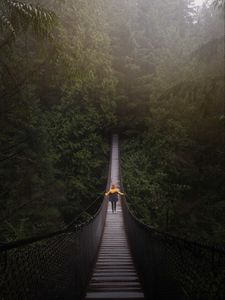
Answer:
[(114, 276), (111, 256)]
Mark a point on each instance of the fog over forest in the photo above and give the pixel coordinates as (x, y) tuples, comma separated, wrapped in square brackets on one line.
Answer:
[(72, 73)]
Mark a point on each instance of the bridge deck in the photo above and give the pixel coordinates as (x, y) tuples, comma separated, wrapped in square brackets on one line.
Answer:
[(114, 275)]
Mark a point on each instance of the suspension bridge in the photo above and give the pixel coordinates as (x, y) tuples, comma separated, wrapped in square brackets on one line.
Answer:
[(112, 256)]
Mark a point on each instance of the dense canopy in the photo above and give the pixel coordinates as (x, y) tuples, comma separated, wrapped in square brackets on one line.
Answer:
[(72, 72)]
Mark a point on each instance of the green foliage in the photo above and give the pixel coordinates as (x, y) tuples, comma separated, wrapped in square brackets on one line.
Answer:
[(172, 118), (17, 16), (151, 70), (56, 110)]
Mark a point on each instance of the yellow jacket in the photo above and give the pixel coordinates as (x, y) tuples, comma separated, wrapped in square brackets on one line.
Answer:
[(113, 191)]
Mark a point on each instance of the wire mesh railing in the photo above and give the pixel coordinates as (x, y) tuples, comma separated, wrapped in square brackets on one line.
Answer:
[(170, 266), (56, 266)]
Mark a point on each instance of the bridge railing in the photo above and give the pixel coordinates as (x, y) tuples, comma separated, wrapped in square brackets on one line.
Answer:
[(56, 266), (170, 266)]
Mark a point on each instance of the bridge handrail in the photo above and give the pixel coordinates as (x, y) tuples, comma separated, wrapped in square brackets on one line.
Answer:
[(148, 227), (56, 265), (172, 265), (72, 227)]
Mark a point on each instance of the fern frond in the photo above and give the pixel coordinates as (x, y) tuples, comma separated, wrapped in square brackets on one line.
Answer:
[(6, 24), (21, 16)]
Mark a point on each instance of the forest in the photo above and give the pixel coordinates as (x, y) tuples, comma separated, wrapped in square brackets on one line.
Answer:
[(73, 72)]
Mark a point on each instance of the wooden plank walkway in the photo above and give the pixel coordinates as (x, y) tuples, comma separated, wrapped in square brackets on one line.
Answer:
[(114, 275)]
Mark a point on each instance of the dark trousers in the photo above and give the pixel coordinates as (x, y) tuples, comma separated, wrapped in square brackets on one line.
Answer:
[(113, 205)]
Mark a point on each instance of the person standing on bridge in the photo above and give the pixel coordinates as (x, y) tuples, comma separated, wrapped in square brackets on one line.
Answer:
[(113, 194)]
